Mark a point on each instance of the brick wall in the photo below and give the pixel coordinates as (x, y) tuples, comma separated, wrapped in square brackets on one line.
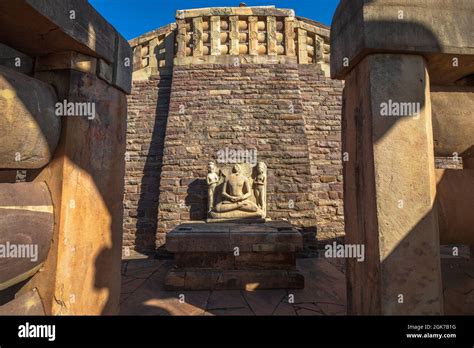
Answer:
[(322, 101), (289, 113), (146, 124)]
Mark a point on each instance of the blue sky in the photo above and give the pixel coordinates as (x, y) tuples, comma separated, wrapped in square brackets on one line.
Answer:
[(135, 17)]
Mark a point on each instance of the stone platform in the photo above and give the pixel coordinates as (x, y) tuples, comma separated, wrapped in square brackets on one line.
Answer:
[(234, 256)]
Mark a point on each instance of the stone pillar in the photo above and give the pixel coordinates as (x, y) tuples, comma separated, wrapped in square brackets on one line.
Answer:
[(319, 49), (85, 179), (169, 48), (302, 50), (290, 36), (197, 37), (71, 206), (152, 54), (390, 188), (215, 35), (253, 36), (271, 36), (137, 57), (234, 35), (181, 38)]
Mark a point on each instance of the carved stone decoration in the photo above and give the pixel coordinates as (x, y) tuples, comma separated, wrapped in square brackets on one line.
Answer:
[(260, 186), (212, 180), (237, 192)]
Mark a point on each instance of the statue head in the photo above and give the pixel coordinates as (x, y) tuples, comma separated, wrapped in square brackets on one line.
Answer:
[(236, 169), (261, 167), (211, 167)]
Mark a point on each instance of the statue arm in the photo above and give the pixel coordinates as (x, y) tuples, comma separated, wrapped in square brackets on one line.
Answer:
[(247, 189), (224, 191)]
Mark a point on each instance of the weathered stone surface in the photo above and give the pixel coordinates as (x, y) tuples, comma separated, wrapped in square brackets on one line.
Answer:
[(453, 124), (361, 27), (28, 304), (266, 38), (324, 283), (55, 26), (85, 179), (145, 141), (67, 60), (87, 33), (104, 70), (235, 11), (302, 51), (454, 192), (151, 299), (325, 288), (271, 36), (81, 273), (234, 256), (122, 67), (15, 60), (29, 127), (265, 302), (215, 35), (249, 280), (234, 35), (26, 230), (390, 208), (458, 285), (245, 260), (237, 193), (290, 36), (226, 237)]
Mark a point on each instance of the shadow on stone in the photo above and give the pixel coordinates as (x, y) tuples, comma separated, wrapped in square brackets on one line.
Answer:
[(196, 194), (147, 210)]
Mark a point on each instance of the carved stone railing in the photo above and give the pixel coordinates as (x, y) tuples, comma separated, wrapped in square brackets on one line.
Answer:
[(222, 34), (154, 51)]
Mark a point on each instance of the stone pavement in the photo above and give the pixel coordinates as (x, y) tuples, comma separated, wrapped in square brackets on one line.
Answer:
[(324, 294), (143, 293), (458, 281)]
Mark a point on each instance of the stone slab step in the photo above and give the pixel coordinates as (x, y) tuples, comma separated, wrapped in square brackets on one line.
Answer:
[(233, 280)]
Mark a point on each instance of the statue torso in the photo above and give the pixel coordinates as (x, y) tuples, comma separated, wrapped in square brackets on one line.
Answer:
[(235, 184)]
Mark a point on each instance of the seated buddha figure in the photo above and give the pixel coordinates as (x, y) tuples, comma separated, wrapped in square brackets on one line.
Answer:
[(236, 193)]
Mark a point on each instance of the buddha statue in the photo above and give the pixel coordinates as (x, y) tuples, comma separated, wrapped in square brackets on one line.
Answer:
[(235, 196)]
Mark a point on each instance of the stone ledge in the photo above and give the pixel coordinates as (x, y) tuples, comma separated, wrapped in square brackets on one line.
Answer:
[(235, 60), (235, 11), (233, 280), (225, 237), (361, 27), (55, 31)]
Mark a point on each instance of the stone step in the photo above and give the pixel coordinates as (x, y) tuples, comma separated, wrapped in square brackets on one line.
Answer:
[(213, 279)]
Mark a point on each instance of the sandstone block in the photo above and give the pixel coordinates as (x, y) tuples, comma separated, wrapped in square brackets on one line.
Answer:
[(29, 128), (26, 230), (362, 27), (390, 208)]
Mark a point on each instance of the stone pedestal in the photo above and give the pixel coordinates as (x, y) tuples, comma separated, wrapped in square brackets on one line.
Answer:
[(234, 256)]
